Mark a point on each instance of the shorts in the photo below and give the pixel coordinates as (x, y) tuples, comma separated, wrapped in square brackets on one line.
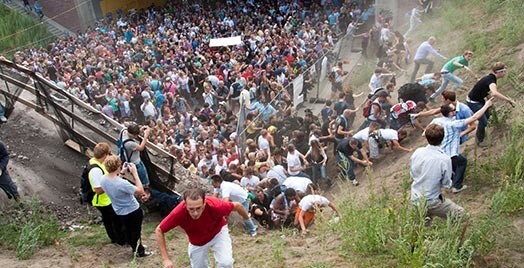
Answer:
[(308, 218)]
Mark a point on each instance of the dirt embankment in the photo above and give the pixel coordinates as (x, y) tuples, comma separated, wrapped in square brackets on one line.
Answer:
[(40, 164)]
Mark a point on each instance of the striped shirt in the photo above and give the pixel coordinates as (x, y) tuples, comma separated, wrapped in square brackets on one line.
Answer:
[(452, 128)]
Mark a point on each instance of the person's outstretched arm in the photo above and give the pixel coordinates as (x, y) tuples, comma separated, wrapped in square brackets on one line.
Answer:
[(161, 242)]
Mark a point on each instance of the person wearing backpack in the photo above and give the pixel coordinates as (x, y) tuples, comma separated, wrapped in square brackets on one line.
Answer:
[(373, 110), (100, 199), (342, 127), (132, 148)]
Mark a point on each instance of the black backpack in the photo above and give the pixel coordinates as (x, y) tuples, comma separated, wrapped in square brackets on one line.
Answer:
[(86, 191), (332, 76)]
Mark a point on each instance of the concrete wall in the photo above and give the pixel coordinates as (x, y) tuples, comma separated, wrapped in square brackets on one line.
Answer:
[(87, 12), (111, 6), (77, 15), (63, 12)]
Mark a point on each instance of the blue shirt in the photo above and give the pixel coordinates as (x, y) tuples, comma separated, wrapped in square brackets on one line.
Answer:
[(267, 112), (463, 112), (452, 128), (122, 195), (430, 169)]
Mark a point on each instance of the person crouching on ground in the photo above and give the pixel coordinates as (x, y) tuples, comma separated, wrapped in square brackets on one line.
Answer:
[(307, 207), (431, 169)]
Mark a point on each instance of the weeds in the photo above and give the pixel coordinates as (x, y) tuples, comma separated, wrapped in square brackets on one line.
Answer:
[(11, 24), (26, 226), (278, 249)]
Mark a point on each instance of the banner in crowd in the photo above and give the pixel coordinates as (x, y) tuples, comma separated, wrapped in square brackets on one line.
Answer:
[(324, 68), (298, 86), (224, 42)]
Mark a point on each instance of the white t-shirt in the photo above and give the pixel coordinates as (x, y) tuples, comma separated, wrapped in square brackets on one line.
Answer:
[(249, 182), (308, 201), (219, 167), (263, 144), (375, 81), (362, 135), (293, 160), (389, 134), (232, 191), (297, 183), (278, 172), (96, 177), (148, 109)]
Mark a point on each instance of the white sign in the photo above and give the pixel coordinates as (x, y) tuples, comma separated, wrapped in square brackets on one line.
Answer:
[(224, 42), (324, 68), (298, 85)]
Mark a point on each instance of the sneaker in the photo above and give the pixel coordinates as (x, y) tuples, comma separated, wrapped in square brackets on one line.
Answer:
[(253, 234), (145, 254), (354, 182), (455, 190), (3, 119)]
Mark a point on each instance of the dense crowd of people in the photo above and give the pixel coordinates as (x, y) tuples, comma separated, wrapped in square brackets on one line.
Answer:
[(155, 67)]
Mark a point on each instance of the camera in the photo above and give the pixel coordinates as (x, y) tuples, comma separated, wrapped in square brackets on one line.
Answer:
[(124, 169)]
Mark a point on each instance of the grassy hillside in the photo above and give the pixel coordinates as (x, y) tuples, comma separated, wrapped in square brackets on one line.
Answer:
[(381, 230), (20, 31)]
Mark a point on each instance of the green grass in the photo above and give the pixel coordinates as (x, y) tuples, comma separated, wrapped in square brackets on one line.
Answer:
[(27, 226), (19, 31), (93, 236), (389, 227)]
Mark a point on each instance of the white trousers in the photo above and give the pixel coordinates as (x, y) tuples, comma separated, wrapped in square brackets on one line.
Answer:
[(222, 248)]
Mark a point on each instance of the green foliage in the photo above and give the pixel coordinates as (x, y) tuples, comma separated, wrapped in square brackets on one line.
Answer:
[(395, 228), (90, 237), (17, 30), (278, 250), (369, 228), (479, 42), (510, 197), (513, 32), (26, 226), (499, 116), (491, 6), (319, 265)]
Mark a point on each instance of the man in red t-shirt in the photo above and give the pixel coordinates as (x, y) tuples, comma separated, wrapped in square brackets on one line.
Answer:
[(203, 219)]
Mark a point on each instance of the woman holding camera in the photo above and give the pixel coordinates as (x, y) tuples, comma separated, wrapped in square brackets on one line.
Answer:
[(122, 194)]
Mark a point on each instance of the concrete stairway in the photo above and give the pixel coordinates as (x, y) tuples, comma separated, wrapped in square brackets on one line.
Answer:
[(52, 26)]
